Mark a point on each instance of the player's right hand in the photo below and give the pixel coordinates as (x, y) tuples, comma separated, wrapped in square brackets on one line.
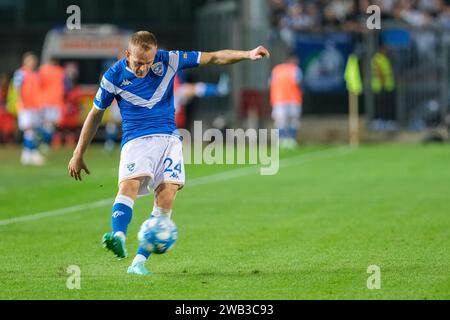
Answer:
[(76, 164), (259, 53)]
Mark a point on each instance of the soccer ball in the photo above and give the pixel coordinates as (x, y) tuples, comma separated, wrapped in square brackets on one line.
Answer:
[(158, 234)]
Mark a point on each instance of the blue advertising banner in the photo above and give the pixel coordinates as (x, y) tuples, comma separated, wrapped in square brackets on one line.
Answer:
[(323, 58)]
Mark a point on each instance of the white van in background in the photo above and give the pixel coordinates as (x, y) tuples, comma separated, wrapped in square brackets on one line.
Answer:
[(92, 49)]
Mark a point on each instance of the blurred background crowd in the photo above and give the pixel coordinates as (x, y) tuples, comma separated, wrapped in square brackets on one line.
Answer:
[(302, 15)]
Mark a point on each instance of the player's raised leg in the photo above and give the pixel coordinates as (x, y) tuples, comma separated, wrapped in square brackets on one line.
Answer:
[(164, 197), (122, 212)]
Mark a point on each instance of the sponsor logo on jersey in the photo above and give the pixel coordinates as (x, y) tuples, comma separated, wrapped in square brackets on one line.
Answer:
[(158, 69), (125, 82)]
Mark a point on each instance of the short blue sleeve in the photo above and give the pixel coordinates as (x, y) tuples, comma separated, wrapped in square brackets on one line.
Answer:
[(105, 94), (189, 59)]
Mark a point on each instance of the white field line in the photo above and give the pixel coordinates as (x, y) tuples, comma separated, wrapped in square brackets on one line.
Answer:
[(227, 175)]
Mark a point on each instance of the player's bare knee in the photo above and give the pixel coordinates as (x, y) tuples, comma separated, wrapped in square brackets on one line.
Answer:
[(130, 188)]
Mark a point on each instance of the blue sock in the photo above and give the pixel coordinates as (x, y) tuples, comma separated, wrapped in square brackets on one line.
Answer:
[(47, 135), (293, 132), (122, 212), (29, 140), (155, 213), (284, 133), (143, 252)]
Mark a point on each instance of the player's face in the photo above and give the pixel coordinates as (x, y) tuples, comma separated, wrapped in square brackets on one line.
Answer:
[(140, 60)]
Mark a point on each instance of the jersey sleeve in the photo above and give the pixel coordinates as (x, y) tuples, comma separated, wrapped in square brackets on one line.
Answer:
[(189, 59), (106, 92), (18, 79)]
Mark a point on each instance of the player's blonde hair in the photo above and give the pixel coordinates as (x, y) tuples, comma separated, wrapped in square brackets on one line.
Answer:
[(143, 39)]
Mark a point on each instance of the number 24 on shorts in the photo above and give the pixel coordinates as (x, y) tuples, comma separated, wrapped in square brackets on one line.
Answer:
[(169, 167)]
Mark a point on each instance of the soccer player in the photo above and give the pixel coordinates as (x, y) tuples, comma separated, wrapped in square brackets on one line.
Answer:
[(286, 100), (151, 155), (51, 76), (27, 86)]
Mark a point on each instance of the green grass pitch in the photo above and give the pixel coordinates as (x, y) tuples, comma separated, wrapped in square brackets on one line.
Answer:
[(309, 232)]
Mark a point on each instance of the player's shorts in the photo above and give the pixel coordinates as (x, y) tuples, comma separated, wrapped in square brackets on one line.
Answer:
[(29, 119), (51, 114), (157, 158), (286, 111)]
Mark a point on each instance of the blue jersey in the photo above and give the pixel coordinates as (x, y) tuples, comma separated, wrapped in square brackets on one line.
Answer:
[(146, 104)]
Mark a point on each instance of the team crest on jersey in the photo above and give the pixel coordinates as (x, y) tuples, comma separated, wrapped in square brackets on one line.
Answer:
[(131, 166), (158, 69)]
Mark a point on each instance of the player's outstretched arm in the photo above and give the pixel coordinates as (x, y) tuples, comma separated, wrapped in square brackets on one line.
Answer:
[(88, 131), (224, 57)]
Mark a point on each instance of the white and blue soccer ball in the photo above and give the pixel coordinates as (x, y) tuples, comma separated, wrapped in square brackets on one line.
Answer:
[(158, 234)]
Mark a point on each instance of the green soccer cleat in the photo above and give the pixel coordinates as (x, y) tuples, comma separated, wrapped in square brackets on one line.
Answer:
[(115, 244), (138, 269)]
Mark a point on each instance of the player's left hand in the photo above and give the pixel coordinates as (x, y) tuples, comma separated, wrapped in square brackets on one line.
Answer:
[(259, 53), (77, 164)]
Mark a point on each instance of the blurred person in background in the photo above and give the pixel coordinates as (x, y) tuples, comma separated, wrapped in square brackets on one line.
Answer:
[(27, 85), (7, 120), (68, 127), (184, 92), (444, 19), (286, 98), (113, 118), (4, 82), (299, 17), (278, 10), (383, 86), (112, 128), (409, 12), (338, 12), (387, 7), (51, 76), (432, 7)]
